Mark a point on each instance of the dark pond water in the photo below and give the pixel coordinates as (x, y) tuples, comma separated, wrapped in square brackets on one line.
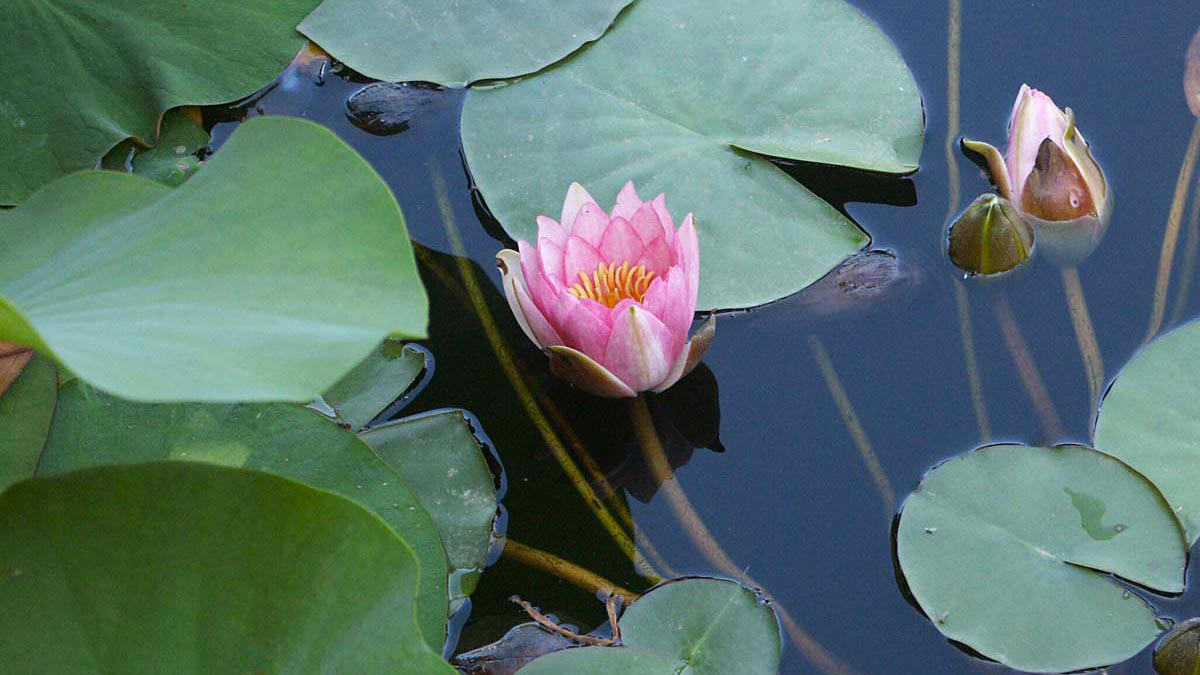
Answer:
[(791, 498)]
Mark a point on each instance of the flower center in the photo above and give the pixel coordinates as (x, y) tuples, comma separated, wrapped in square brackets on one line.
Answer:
[(610, 284)]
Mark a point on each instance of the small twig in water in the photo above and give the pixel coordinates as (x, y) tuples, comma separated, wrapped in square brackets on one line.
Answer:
[(547, 623)]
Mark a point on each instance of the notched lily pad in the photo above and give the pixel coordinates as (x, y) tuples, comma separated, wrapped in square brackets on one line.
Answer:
[(212, 291), (1007, 550), (1150, 419), (699, 626), (696, 110), (81, 76), (454, 44)]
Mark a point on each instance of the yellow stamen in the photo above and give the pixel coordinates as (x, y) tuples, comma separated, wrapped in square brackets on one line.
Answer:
[(609, 284)]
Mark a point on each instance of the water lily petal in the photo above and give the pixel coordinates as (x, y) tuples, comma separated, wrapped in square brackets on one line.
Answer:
[(691, 354), (647, 223), (549, 228), (664, 216), (637, 349), (628, 202), (582, 371), (656, 257), (590, 224), (690, 246), (583, 324), (576, 198), (552, 257), (531, 319), (620, 242), (581, 258)]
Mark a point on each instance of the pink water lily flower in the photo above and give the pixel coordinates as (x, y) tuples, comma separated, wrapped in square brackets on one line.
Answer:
[(610, 297)]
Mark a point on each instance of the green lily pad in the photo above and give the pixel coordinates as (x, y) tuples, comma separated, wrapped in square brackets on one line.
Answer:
[(688, 98), (454, 44), (440, 458), (1150, 419), (693, 626), (188, 568), (81, 76), (243, 284), (91, 428), (1007, 550), (375, 383), (26, 409), (173, 159)]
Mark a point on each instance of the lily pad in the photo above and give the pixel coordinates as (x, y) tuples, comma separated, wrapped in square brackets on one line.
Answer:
[(81, 76), (441, 459), (26, 409), (688, 99), (92, 428), (1150, 419), (375, 383), (202, 569), (454, 44), (243, 284), (1007, 550), (693, 626)]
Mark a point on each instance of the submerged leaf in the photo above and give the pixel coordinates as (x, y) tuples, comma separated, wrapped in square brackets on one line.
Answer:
[(692, 109), (192, 568), (507, 655), (243, 284)]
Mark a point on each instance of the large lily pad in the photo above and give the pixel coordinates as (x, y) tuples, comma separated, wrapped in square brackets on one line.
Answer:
[(1150, 419), (1007, 550), (456, 43), (91, 428), (243, 284), (443, 462), (81, 76), (693, 626), (26, 409), (201, 569), (686, 98)]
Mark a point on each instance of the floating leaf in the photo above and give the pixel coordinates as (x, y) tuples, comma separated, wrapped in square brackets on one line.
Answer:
[(681, 98), (243, 284), (454, 44), (1007, 550), (1150, 419), (173, 159), (443, 462), (694, 626), (375, 383), (26, 409), (81, 76), (92, 429), (201, 569)]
